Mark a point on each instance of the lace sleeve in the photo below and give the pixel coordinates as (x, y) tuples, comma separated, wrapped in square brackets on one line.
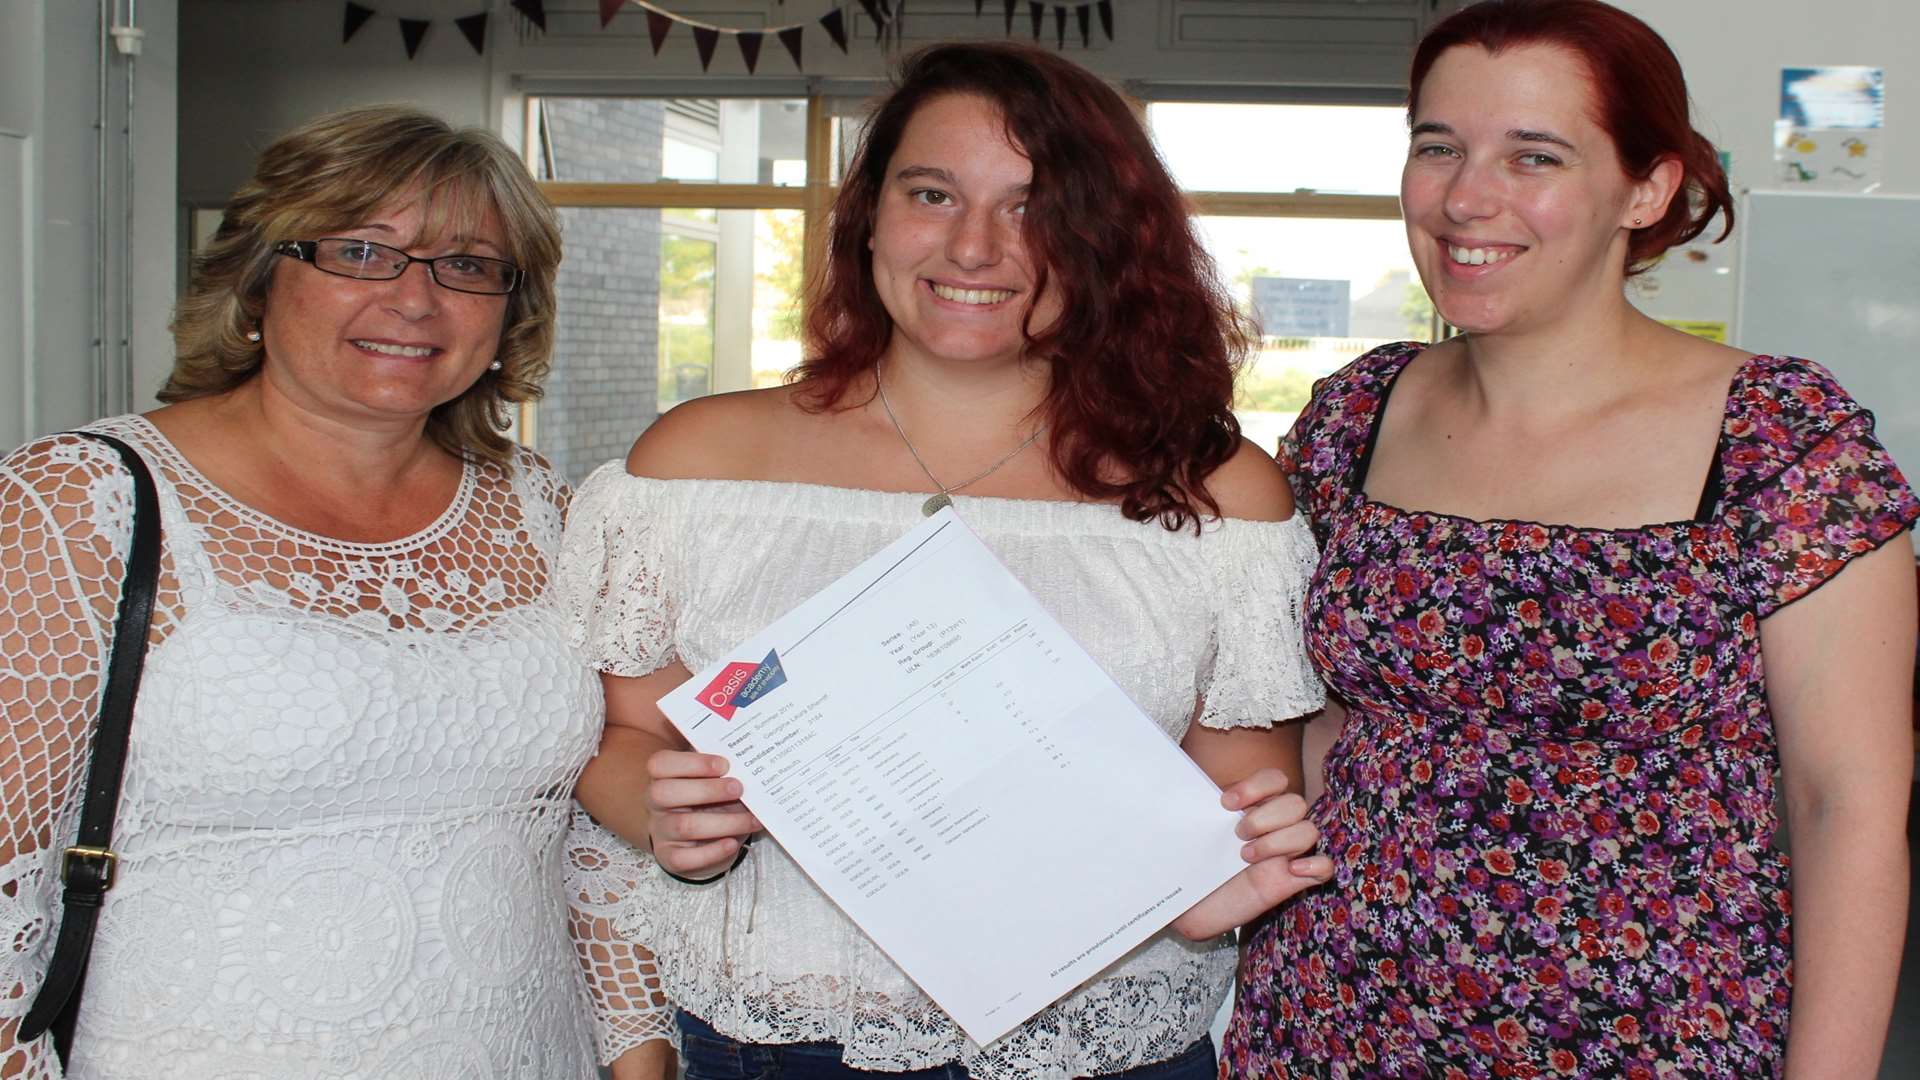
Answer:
[(611, 574), (629, 1007), (1261, 675), (66, 518)]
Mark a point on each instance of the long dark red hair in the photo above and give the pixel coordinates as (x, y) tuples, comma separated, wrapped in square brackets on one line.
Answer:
[(1144, 353), (1639, 94)]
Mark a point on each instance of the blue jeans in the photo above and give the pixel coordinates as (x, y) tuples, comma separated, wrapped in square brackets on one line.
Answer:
[(709, 1055)]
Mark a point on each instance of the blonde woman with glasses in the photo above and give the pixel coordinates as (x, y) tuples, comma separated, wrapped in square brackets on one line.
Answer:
[(348, 789)]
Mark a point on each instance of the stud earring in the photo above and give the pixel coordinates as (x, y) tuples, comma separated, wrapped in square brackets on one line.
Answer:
[(253, 335), (495, 366), (1636, 223)]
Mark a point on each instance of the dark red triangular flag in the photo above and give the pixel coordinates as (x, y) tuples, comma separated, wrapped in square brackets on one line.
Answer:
[(608, 9), (357, 17), (412, 32), (836, 27), (790, 37), (657, 27), (704, 40), (1010, 6), (749, 48), (1060, 27), (1038, 12), (1106, 17), (534, 10), (1085, 15), (475, 27)]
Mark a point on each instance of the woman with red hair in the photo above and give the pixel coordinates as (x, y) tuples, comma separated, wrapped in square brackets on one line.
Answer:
[(1015, 319), (1587, 584)]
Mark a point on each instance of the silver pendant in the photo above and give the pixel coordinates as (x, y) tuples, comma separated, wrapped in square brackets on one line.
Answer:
[(935, 503)]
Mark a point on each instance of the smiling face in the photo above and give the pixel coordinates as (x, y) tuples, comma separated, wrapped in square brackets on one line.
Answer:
[(355, 349), (949, 261), (1516, 206)]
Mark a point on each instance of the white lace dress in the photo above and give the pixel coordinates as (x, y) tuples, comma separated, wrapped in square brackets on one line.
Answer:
[(684, 569), (343, 826)]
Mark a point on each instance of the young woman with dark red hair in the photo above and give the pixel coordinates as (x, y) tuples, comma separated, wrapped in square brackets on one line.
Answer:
[(1014, 303), (1587, 583)]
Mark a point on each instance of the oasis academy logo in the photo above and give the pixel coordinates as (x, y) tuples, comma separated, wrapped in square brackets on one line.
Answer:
[(740, 684)]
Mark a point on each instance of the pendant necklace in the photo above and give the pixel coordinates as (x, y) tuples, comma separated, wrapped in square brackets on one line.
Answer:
[(943, 498)]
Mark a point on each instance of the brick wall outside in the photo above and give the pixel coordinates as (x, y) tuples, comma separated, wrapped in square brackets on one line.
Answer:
[(602, 391)]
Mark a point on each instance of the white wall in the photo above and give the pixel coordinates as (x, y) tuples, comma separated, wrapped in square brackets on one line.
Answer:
[(48, 100), (1733, 51)]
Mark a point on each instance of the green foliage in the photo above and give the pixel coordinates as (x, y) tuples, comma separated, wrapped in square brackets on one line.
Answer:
[(785, 279), (1285, 390)]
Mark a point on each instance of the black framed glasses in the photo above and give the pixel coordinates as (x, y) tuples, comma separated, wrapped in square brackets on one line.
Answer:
[(346, 257)]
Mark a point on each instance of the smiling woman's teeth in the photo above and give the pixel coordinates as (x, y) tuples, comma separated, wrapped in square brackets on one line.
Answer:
[(412, 351), (971, 296), (1476, 256)]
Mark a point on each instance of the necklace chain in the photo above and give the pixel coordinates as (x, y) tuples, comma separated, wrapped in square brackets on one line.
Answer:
[(945, 489)]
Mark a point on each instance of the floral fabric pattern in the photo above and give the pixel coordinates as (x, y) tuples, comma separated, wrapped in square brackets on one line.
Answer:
[(1551, 810)]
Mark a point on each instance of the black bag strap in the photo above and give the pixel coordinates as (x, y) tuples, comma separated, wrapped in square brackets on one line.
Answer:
[(87, 868)]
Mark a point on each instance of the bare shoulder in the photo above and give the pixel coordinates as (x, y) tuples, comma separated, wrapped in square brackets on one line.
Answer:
[(1251, 485), (718, 437)]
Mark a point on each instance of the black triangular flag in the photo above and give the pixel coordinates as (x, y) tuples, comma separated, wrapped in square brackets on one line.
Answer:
[(475, 27), (977, 5), (704, 40), (1010, 5), (836, 27), (873, 12), (657, 27), (608, 9), (790, 37), (357, 17), (1085, 15), (1060, 26), (1039, 13), (534, 10), (749, 48), (1106, 17), (412, 32)]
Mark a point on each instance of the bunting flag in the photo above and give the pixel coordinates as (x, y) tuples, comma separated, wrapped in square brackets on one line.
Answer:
[(749, 49), (704, 39), (1060, 27), (412, 33), (1010, 5), (1038, 12), (1105, 7), (657, 27), (1085, 15), (836, 27), (790, 37), (608, 9), (534, 11), (475, 29), (357, 17)]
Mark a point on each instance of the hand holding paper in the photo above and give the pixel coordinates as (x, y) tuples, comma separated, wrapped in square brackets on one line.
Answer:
[(698, 820), (1280, 846)]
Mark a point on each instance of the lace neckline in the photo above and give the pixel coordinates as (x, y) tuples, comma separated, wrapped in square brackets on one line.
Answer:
[(455, 511)]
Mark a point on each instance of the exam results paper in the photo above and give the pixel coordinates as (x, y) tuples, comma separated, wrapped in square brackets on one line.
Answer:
[(957, 774)]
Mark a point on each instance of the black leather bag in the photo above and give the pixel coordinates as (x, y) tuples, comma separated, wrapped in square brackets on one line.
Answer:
[(87, 868)]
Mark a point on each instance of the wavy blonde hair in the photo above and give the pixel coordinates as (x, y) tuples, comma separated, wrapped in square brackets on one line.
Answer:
[(334, 173)]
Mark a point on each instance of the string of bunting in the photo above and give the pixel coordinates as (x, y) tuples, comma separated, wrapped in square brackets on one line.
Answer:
[(1083, 15), (706, 36), (414, 31), (888, 17)]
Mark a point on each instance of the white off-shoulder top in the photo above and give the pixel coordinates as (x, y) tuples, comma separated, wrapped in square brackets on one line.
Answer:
[(1204, 628)]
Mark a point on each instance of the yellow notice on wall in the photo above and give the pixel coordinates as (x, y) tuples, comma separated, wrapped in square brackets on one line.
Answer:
[(1712, 331)]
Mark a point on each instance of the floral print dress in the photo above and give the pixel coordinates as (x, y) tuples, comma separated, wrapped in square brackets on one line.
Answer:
[(1551, 810)]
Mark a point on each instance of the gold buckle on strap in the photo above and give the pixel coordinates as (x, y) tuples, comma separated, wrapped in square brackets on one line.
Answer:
[(102, 864)]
